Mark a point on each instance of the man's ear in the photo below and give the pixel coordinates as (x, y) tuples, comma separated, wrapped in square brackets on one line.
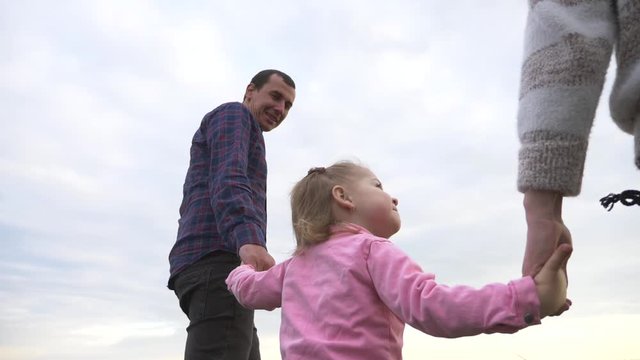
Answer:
[(341, 197), (248, 93)]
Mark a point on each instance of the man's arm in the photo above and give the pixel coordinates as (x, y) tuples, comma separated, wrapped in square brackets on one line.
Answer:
[(238, 220)]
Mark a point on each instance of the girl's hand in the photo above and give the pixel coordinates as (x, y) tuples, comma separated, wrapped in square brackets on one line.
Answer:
[(551, 281)]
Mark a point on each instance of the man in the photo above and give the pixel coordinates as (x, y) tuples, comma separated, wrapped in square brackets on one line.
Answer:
[(223, 218)]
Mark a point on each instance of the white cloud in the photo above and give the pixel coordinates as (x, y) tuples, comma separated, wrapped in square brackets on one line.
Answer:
[(199, 55), (114, 332), (101, 101), (589, 338)]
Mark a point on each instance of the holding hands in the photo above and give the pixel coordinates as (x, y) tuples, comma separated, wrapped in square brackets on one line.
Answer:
[(256, 256), (548, 246), (551, 282)]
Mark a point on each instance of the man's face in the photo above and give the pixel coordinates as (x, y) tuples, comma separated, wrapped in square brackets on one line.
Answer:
[(271, 103)]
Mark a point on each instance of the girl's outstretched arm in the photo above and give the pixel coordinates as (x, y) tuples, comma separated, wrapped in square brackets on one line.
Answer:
[(439, 310), (257, 290)]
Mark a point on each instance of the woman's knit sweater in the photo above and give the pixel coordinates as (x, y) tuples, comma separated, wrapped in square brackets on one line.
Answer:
[(568, 46)]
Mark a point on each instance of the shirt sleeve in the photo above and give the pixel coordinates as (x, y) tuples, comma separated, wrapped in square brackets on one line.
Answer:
[(257, 290), (229, 139), (439, 310), (567, 50)]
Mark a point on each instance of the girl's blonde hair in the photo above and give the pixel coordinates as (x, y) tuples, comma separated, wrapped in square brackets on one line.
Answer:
[(311, 201)]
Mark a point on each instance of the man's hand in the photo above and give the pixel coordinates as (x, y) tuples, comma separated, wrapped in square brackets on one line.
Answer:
[(545, 232), (256, 256)]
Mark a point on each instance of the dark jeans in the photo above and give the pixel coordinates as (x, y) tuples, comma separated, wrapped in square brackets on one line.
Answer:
[(219, 327)]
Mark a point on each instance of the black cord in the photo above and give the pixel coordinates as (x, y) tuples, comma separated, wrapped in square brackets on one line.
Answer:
[(627, 197)]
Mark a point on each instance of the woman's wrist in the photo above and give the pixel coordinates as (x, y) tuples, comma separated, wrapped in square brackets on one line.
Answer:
[(543, 204)]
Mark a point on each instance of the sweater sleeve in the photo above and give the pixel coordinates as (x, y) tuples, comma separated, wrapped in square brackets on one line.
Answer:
[(568, 47), (257, 290), (439, 310)]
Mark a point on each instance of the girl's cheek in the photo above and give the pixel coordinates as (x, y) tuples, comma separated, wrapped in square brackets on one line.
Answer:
[(381, 212)]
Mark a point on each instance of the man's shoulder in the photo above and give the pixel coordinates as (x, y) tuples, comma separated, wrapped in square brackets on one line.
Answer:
[(230, 107), (231, 111)]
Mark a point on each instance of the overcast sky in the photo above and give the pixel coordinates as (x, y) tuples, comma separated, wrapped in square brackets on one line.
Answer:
[(100, 100)]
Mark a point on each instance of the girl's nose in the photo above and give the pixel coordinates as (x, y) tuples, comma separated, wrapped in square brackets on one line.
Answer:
[(395, 201)]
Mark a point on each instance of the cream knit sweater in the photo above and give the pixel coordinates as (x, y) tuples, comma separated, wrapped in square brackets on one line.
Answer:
[(568, 46)]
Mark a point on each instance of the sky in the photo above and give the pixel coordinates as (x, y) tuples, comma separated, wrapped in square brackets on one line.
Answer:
[(100, 100)]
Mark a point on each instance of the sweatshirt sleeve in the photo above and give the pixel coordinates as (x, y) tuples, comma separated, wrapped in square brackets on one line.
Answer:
[(439, 310), (257, 290), (567, 49)]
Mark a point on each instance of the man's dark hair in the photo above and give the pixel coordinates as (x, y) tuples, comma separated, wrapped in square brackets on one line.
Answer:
[(263, 76)]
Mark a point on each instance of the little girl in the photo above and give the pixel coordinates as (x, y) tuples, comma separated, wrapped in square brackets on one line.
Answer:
[(348, 291)]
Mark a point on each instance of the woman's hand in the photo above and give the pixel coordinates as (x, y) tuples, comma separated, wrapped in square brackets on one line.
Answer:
[(545, 233)]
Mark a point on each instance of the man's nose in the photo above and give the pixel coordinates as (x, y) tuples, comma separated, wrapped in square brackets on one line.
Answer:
[(280, 106)]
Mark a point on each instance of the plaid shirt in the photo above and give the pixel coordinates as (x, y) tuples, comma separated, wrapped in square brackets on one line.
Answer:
[(224, 195)]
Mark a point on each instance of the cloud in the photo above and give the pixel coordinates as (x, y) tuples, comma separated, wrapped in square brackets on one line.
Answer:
[(569, 337), (117, 331), (101, 101)]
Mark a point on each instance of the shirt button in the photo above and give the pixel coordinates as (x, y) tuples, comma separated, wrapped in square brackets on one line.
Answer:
[(528, 318)]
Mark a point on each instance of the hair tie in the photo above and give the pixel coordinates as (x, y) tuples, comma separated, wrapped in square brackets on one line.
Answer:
[(317, 170), (627, 197)]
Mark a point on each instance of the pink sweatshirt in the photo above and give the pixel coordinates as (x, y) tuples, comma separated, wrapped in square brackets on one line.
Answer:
[(349, 298)]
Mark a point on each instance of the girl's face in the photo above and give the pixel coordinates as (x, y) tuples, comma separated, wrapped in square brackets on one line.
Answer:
[(373, 208)]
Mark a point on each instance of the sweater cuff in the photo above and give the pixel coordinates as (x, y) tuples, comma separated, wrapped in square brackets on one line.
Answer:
[(551, 161)]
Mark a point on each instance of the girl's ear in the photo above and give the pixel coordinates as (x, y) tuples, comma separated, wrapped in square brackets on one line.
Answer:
[(340, 196)]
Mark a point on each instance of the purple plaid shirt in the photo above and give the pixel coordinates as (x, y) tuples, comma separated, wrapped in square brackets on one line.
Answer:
[(224, 195)]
